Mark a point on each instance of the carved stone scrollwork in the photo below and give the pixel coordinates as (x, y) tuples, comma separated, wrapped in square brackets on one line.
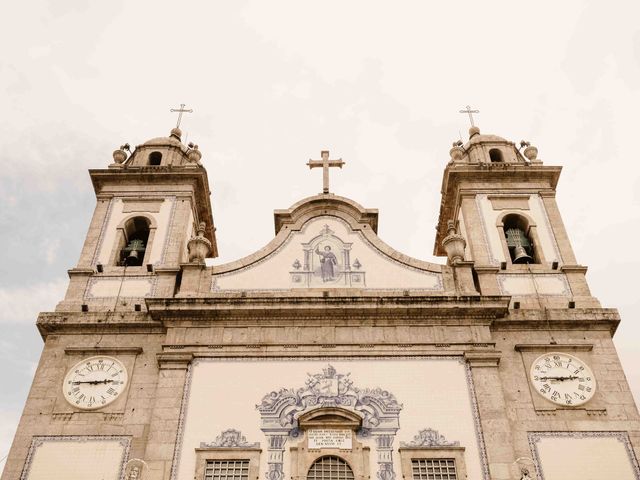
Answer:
[(199, 246), (429, 438), (230, 438), (378, 409)]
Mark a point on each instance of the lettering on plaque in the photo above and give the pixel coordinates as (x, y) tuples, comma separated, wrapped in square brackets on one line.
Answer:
[(329, 438)]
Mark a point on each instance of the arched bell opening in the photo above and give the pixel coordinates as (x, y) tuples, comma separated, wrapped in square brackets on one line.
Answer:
[(134, 242), (519, 243), (155, 158), (495, 155)]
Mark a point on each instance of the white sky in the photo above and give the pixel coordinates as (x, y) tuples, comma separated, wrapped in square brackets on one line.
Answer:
[(273, 83)]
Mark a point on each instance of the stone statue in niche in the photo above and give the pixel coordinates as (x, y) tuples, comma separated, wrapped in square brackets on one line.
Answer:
[(327, 260)]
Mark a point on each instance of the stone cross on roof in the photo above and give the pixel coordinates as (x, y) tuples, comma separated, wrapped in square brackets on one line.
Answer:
[(470, 112), (325, 163), (180, 111)]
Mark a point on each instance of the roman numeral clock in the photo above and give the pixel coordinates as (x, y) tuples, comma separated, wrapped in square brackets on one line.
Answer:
[(563, 379), (94, 382)]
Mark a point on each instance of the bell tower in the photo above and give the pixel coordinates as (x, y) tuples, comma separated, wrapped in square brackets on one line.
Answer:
[(502, 200), (150, 202)]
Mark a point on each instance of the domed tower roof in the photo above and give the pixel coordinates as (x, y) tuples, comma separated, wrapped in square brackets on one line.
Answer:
[(165, 152)]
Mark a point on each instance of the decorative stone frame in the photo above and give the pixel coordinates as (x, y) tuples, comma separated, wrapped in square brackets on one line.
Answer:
[(407, 454), (377, 409), (38, 440), (532, 233), (302, 457), (622, 436), (529, 352), (204, 454), (121, 239), (125, 355)]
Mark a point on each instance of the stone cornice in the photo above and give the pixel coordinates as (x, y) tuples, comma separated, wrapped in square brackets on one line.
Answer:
[(483, 359), (51, 323), (550, 347), (334, 305), (103, 350), (560, 319)]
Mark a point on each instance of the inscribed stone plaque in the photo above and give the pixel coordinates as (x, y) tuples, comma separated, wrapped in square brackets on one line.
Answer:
[(329, 438)]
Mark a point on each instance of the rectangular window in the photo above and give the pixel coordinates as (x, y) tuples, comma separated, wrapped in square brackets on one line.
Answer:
[(226, 470), (434, 469)]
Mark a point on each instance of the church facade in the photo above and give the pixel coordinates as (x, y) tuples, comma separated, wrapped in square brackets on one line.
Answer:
[(327, 354)]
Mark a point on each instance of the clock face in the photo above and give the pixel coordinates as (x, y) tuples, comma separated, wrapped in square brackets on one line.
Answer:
[(94, 382), (563, 379)]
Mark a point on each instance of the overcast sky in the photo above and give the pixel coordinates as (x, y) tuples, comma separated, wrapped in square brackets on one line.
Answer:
[(273, 83)]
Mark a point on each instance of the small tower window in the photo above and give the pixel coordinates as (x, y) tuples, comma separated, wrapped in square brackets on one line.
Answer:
[(516, 231), (155, 158), (136, 232), (495, 155)]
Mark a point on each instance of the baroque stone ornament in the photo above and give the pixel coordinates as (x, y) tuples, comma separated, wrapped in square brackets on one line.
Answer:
[(429, 438), (454, 244), (378, 408), (230, 438), (199, 247)]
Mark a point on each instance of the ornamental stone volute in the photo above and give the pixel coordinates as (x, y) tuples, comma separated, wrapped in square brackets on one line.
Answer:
[(454, 244), (199, 247)]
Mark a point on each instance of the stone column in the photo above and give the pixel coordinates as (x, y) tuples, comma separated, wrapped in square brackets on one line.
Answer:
[(92, 240), (275, 457), (384, 444), (165, 422), (492, 409), (557, 228)]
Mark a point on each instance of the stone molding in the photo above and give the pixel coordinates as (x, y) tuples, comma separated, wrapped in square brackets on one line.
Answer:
[(429, 437), (621, 436), (103, 350), (483, 359), (38, 440), (548, 347), (230, 438)]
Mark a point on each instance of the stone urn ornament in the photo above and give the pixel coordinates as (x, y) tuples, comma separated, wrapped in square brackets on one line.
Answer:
[(454, 244), (530, 152), (194, 154), (456, 151), (199, 247), (119, 155)]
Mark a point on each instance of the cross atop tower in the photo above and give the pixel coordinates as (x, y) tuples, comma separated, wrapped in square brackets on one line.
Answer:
[(325, 163), (180, 111), (470, 112)]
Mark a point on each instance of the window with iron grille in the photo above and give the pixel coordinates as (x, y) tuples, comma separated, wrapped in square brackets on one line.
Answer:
[(434, 469), (330, 467), (226, 470)]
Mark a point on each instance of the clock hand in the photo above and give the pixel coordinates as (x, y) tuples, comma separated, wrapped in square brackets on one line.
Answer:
[(561, 379), (93, 382)]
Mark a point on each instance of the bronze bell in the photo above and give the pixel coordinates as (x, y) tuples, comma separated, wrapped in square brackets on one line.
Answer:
[(518, 240), (520, 255), (132, 259), (133, 253)]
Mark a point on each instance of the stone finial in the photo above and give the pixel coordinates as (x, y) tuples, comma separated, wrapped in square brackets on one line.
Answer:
[(119, 155), (454, 244), (456, 151), (474, 131), (176, 132), (199, 247), (531, 152), (194, 154)]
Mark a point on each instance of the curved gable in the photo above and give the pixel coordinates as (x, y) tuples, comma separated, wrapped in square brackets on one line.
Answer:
[(328, 242)]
